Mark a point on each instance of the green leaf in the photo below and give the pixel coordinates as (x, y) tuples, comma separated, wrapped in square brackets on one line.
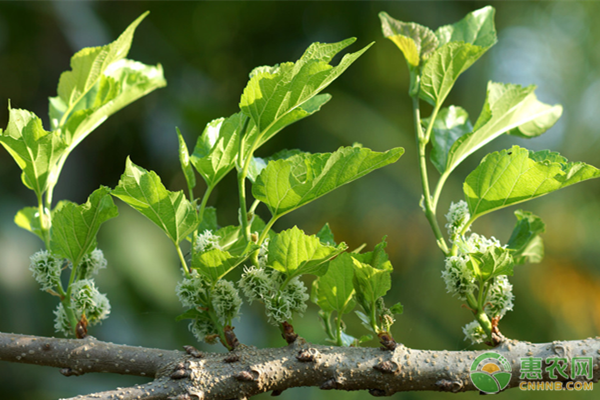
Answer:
[(370, 283), (496, 261), (325, 235), (217, 148), (335, 290), (285, 185), (517, 175), (35, 150), (192, 313), (450, 124), (508, 109), (295, 253), (278, 96), (74, 227), (120, 84), (254, 137), (476, 28), (216, 263), (184, 160), (397, 309), (525, 243), (416, 42), (96, 80), (209, 220), (170, 211), (372, 277), (28, 218), (257, 164), (461, 44)]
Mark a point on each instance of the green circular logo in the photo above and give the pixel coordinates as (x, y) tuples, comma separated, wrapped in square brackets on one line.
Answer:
[(490, 372)]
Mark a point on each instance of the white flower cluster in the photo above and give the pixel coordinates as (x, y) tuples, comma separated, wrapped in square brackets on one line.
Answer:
[(85, 300), (226, 301), (478, 243), (192, 292), (265, 285), (201, 328), (500, 298), (46, 268), (207, 241), (459, 278), (474, 332), (458, 216), (91, 264)]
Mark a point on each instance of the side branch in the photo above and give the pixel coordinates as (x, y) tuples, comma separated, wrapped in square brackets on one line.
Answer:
[(248, 371)]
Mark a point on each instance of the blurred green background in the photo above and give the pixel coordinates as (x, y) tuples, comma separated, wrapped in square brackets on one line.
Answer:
[(207, 50)]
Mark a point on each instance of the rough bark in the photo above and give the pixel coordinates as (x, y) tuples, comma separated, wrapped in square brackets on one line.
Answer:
[(247, 371)]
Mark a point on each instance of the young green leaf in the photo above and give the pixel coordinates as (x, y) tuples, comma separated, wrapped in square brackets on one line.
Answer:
[(216, 263), (377, 258), (184, 160), (450, 124), (257, 164), (170, 211), (416, 42), (461, 44), (120, 84), (508, 109), (525, 243), (35, 150), (476, 28), (209, 220), (370, 284), (295, 253), (285, 185), (74, 227), (278, 96), (517, 175), (78, 88), (28, 218), (496, 261), (217, 148), (325, 235), (335, 290), (254, 137)]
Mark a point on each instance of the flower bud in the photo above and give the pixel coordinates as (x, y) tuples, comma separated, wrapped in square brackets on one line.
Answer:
[(474, 332), (459, 278), (46, 268), (91, 264), (500, 298)]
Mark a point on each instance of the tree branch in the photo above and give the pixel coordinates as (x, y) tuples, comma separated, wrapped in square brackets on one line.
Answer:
[(248, 371)]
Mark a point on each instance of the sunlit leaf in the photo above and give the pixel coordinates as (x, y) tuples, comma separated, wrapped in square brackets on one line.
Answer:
[(416, 42), (335, 290), (170, 211), (216, 263), (216, 149), (517, 175), (525, 242), (74, 227), (295, 253), (496, 261), (285, 185), (282, 94), (450, 124), (461, 44), (35, 150), (28, 218), (325, 235), (508, 109), (184, 160)]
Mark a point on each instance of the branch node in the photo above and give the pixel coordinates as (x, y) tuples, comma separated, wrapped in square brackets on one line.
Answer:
[(232, 340), (308, 355), (387, 367), (247, 376), (231, 358), (446, 385), (288, 333), (70, 372), (180, 372), (192, 351), (387, 341), (377, 393), (329, 385)]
